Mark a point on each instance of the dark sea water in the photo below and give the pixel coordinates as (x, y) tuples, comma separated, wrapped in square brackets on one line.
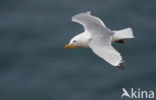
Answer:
[(35, 66)]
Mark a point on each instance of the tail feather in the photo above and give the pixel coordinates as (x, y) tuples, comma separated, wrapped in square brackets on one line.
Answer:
[(122, 34), (120, 41)]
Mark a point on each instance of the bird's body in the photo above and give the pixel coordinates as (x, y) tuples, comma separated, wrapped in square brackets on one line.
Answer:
[(99, 38)]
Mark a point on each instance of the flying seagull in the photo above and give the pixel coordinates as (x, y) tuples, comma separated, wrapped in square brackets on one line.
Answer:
[(99, 38)]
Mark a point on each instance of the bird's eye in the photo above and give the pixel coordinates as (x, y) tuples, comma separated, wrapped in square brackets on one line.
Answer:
[(74, 41)]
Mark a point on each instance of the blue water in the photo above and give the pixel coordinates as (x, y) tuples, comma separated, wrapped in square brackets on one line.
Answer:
[(35, 66)]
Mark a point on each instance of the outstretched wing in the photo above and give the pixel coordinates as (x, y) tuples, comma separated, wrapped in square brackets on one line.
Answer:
[(101, 47), (89, 22)]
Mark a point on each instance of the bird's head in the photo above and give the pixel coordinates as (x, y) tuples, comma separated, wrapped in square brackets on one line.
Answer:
[(74, 43)]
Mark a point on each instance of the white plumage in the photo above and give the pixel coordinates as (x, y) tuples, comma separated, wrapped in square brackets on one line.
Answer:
[(99, 38)]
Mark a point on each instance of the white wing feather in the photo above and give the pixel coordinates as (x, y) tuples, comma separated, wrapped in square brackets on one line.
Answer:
[(105, 51), (88, 21)]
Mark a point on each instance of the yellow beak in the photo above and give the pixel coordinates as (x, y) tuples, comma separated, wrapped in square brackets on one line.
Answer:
[(68, 46)]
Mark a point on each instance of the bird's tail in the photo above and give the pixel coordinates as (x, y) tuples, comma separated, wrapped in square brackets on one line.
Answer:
[(122, 34)]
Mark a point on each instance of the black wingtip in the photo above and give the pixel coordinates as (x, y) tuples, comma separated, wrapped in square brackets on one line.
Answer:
[(121, 66), (120, 41)]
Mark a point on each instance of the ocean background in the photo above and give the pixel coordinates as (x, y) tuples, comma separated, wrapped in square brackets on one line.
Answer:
[(35, 66)]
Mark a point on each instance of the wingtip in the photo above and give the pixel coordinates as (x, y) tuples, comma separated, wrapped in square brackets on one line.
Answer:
[(88, 12), (82, 13), (121, 66)]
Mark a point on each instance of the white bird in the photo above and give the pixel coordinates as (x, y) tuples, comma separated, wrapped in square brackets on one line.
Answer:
[(99, 38)]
